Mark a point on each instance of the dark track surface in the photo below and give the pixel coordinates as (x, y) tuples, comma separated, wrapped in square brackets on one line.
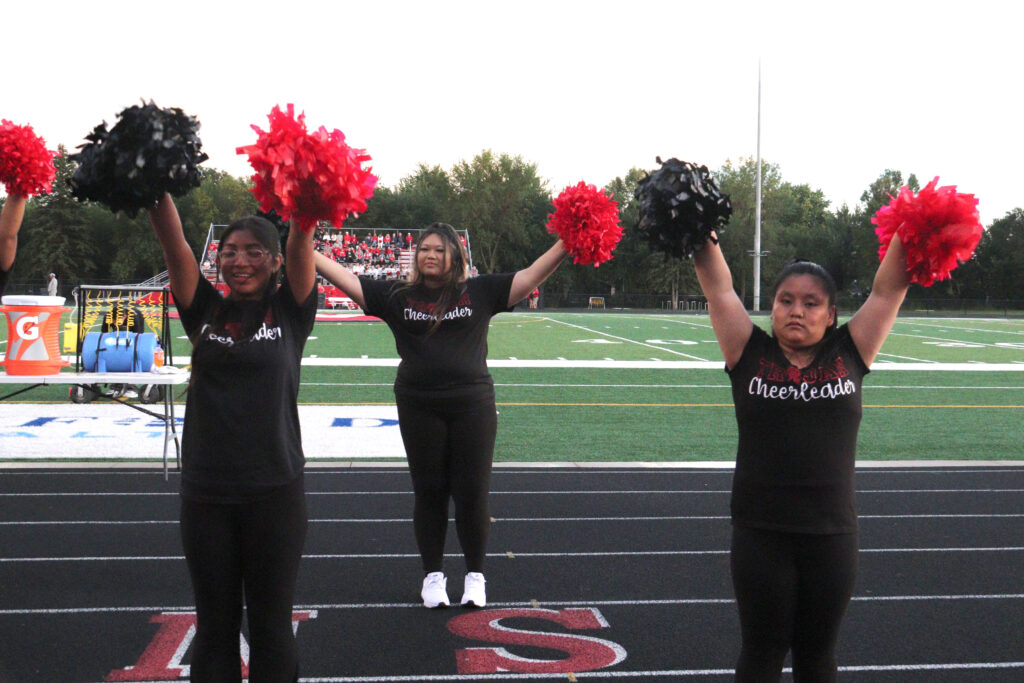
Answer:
[(587, 566)]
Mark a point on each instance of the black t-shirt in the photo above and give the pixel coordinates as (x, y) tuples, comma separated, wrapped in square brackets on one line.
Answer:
[(241, 436), (4, 274), (797, 436), (452, 361)]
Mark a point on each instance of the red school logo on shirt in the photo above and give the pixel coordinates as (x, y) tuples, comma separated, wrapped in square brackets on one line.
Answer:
[(427, 310), (770, 371)]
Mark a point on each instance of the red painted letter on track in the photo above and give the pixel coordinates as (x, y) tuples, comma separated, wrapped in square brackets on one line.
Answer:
[(586, 653), (161, 660)]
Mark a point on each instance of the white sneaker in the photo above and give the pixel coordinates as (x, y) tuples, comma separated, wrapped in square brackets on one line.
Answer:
[(434, 593), (474, 594)]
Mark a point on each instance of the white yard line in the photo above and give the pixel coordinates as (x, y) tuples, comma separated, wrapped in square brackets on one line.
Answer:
[(950, 341), (631, 341)]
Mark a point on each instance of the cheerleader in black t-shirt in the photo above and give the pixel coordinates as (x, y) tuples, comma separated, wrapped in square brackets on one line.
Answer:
[(797, 397), (10, 221), (444, 392), (243, 512)]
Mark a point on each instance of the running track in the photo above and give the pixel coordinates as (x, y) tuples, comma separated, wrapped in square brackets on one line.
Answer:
[(594, 574)]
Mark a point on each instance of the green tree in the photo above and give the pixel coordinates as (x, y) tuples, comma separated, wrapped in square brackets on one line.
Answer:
[(55, 235), (503, 204), (635, 268), (794, 220), (863, 254), (417, 201), (996, 272)]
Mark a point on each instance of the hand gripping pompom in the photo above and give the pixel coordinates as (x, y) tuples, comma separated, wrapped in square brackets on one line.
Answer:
[(309, 177), (680, 208), (587, 221), (939, 228), (26, 166), (148, 152)]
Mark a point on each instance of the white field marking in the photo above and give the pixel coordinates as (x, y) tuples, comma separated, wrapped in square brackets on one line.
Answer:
[(706, 326), (631, 341), (574, 469), (949, 367), (1015, 366), (562, 492), (512, 604), (954, 345), (661, 673), (970, 329), (911, 386), (571, 385), (942, 339), (519, 555), (910, 358), (507, 520)]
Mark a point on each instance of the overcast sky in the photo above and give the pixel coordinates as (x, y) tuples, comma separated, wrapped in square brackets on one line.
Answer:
[(586, 90)]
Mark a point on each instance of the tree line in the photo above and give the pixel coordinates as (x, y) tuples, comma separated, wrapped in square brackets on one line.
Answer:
[(503, 203)]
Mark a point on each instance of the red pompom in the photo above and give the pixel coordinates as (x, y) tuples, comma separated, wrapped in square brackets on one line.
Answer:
[(587, 221), (26, 166), (308, 177), (939, 227)]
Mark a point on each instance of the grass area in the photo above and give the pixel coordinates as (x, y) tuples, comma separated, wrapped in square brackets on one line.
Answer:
[(622, 414)]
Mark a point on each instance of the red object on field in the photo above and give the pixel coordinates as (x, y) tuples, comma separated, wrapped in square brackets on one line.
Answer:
[(307, 176), (939, 227), (26, 166), (587, 221)]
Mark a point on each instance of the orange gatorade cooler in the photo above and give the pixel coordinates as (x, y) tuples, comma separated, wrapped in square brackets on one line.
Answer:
[(33, 326)]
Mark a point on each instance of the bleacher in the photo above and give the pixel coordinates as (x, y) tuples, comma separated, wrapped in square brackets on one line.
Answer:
[(366, 252)]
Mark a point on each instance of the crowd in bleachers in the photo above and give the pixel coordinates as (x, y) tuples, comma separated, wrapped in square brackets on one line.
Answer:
[(375, 254), (371, 253)]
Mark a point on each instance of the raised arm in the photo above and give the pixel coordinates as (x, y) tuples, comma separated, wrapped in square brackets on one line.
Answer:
[(298, 262), (341, 277), (729, 319), (10, 222), (529, 278), (181, 263), (871, 324)]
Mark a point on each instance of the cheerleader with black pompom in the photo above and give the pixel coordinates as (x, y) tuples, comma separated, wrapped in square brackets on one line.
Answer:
[(797, 395)]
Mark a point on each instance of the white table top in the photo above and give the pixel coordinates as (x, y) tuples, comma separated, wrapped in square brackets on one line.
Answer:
[(97, 378)]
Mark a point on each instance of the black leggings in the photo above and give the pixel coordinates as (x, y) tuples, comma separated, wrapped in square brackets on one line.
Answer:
[(450, 448), (245, 552), (792, 591)]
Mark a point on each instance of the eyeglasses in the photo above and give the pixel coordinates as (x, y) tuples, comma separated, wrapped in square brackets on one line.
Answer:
[(252, 254)]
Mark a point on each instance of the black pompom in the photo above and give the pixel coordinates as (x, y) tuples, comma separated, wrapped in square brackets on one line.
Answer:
[(275, 220), (680, 205), (149, 151)]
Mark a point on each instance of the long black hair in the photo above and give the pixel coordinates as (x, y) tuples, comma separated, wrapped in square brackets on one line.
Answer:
[(802, 267), (457, 261), (264, 232)]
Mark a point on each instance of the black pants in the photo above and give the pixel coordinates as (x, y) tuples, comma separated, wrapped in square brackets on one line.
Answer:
[(450, 448), (792, 591), (245, 552)]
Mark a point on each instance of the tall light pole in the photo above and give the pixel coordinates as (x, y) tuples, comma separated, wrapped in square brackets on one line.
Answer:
[(757, 202)]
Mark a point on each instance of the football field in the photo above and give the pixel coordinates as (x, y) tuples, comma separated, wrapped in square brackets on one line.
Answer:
[(645, 387), (638, 387)]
